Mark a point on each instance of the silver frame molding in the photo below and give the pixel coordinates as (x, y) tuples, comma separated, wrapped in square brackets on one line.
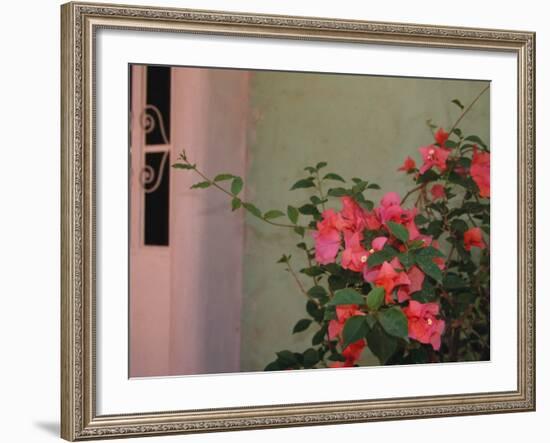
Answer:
[(79, 23)]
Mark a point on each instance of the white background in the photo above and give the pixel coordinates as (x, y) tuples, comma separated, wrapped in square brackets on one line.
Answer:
[(29, 222)]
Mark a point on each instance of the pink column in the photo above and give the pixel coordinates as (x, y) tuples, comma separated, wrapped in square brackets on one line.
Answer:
[(207, 240)]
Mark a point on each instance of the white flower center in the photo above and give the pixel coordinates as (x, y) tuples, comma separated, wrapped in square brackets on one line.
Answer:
[(429, 321), (371, 251), (364, 259)]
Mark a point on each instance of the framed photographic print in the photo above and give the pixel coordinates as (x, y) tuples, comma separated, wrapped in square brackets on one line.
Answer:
[(281, 221)]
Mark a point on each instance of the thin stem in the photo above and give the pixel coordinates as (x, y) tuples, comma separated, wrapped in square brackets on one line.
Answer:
[(213, 183), (412, 191), (299, 283), (310, 264), (320, 189), (468, 108)]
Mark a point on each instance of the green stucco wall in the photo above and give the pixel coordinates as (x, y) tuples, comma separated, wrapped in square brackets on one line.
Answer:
[(362, 126)]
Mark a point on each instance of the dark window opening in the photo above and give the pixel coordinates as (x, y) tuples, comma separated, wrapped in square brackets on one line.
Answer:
[(158, 95), (157, 199)]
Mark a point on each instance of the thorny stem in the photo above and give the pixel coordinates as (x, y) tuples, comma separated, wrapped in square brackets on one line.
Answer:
[(216, 185)]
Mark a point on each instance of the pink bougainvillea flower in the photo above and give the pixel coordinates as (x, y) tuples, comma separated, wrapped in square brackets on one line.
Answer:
[(409, 165), (434, 157), (441, 137), (355, 255), (390, 199), (407, 219), (378, 244), (352, 214), (343, 312), (474, 237), (481, 172), (438, 191), (352, 354), (390, 209), (416, 277), (353, 351), (388, 278), (327, 237), (424, 325), (372, 222)]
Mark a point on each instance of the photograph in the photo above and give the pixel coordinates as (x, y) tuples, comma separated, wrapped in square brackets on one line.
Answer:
[(287, 220)]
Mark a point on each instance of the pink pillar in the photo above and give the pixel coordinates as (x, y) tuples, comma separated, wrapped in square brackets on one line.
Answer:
[(208, 238)]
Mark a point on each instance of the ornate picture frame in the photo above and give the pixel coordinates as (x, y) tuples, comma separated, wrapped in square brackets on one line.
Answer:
[(80, 22)]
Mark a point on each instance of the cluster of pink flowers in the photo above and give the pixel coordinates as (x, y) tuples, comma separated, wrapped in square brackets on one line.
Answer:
[(346, 228), (436, 156), (344, 232)]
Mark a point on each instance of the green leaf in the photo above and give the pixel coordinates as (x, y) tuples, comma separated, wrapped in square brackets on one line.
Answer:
[(302, 325), (330, 314), (316, 200), (273, 366), (300, 230), (308, 209), (435, 228), (457, 131), (429, 176), (347, 296), (453, 281), (235, 203), (274, 213), (317, 291), (373, 186), (303, 183), (375, 298), (337, 192), (201, 185), (312, 271), (394, 322), (475, 139), (399, 231), (429, 251), (284, 259), (252, 209), (382, 345), (429, 267), (457, 102), (287, 358), (380, 257), (406, 259), (336, 357), (236, 185), (355, 329), (318, 337), (311, 357), (336, 282), (222, 177), (183, 166), (314, 310), (321, 165), (332, 176), (459, 226)]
